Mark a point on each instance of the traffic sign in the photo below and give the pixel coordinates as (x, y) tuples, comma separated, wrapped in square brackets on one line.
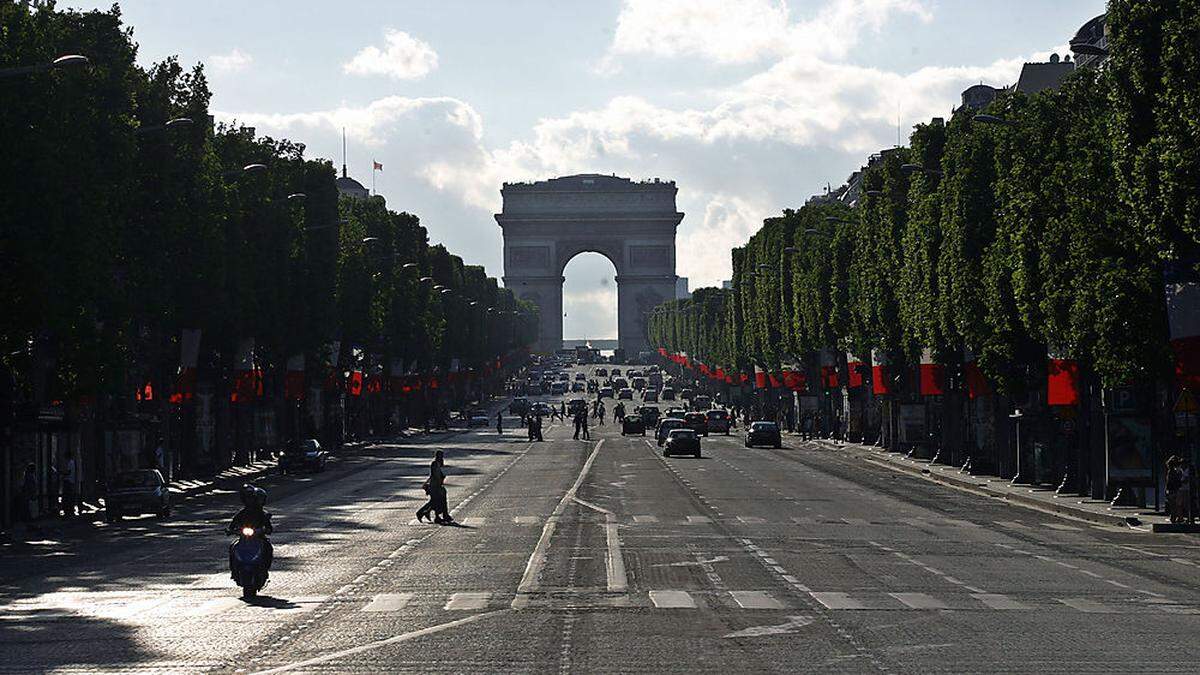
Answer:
[(1186, 403)]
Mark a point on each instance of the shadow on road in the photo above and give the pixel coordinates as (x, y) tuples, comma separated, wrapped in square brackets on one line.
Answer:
[(270, 602)]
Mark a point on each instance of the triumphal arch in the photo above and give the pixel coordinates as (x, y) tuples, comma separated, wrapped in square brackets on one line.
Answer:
[(633, 224)]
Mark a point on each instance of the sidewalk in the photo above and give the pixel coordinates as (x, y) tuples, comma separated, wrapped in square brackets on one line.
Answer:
[(229, 479), (1040, 498)]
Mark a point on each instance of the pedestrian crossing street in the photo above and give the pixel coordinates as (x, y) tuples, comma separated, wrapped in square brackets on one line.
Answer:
[(177, 607)]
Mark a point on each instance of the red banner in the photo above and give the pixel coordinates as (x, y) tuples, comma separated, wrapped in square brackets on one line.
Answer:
[(854, 374), (146, 392), (185, 386), (247, 386), (977, 384), (354, 385), (829, 377), (1062, 382)]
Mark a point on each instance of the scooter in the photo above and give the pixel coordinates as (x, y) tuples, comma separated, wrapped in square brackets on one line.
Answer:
[(248, 561)]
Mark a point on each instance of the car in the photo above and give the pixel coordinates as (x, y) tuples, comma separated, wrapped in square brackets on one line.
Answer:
[(686, 394), (605, 392), (616, 372), (763, 433), (638, 383), (718, 421), (633, 424), (625, 394), (633, 373), (576, 405), (305, 455), (564, 377), (580, 376), (682, 442), (666, 426), (132, 493), (619, 383), (540, 408), (649, 414), (592, 387), (676, 413), (559, 388), (701, 403), (650, 396), (601, 372), (697, 421), (519, 406), (668, 394), (578, 386), (478, 421)]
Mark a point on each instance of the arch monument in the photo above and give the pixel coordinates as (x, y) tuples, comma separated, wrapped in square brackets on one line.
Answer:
[(547, 223)]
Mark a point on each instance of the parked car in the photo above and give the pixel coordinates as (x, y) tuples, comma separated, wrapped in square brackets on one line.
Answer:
[(649, 414), (650, 396), (763, 433), (606, 392), (666, 426), (682, 442), (668, 394), (132, 493), (633, 424), (625, 394), (698, 422), (719, 421), (305, 455)]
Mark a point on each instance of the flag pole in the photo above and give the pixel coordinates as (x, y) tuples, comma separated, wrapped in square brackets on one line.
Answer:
[(372, 175)]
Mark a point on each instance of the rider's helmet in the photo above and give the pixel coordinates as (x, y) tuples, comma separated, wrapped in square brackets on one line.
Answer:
[(252, 495)]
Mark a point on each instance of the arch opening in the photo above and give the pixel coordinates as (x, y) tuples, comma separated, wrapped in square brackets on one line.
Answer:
[(589, 300)]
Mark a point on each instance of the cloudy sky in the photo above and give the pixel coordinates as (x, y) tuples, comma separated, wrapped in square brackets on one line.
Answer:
[(751, 106)]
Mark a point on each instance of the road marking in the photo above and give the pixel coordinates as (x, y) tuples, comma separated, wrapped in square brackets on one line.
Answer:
[(672, 600), (405, 637), (919, 601), (833, 600), (468, 601), (751, 520), (998, 601), (1143, 551), (526, 520), (614, 562), (755, 600), (1012, 525), (793, 624), (533, 568), (693, 520), (474, 521), (1183, 561), (645, 519), (388, 602), (1060, 526), (1086, 605), (804, 520), (855, 521)]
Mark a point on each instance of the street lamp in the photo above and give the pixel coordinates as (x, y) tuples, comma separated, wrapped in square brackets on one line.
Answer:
[(426, 280), (914, 168), (410, 266), (368, 240), (65, 61), (174, 123), (300, 196), (993, 119), (874, 193)]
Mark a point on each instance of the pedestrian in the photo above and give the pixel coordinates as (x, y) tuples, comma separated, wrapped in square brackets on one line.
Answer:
[(435, 487), (70, 487), (580, 422), (806, 425), (29, 493), (600, 414), (1174, 482), (1185, 492), (537, 427), (562, 411), (529, 426), (587, 436), (499, 423)]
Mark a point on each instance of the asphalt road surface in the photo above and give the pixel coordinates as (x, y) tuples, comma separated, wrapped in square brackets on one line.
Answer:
[(603, 556)]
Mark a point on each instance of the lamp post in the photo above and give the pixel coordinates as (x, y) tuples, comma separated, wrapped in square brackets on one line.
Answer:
[(65, 61)]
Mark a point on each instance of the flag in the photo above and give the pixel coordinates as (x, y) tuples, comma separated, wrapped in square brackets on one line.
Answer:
[(376, 166), (1062, 380), (880, 373), (854, 371), (932, 375)]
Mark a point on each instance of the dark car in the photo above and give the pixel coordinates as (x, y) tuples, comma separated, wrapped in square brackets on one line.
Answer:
[(305, 455), (674, 412), (763, 433), (650, 396), (682, 442), (701, 402), (601, 372), (576, 405), (578, 387), (718, 422), (649, 415), (667, 426), (625, 394), (633, 424), (132, 493), (698, 422), (605, 392), (686, 394), (668, 394), (540, 408), (519, 406)]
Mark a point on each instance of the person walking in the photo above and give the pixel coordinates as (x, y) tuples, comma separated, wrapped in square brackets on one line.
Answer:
[(600, 415), (1174, 482), (29, 492), (70, 487), (580, 422), (537, 428), (587, 435), (499, 423), (435, 487)]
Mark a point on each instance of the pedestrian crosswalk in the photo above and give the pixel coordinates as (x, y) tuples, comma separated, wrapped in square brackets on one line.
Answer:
[(222, 607), (653, 519)]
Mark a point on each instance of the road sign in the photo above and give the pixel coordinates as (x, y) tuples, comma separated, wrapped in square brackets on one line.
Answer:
[(1186, 403)]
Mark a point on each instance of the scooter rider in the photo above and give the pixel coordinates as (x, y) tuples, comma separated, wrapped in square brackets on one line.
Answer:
[(253, 515)]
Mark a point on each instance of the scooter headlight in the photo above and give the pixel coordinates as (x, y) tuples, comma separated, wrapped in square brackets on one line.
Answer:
[(247, 531)]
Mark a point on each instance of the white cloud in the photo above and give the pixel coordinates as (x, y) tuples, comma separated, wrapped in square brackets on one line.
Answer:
[(744, 31), (403, 57), (590, 313), (233, 62)]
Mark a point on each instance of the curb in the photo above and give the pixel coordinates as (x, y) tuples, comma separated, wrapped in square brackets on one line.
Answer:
[(1062, 510)]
